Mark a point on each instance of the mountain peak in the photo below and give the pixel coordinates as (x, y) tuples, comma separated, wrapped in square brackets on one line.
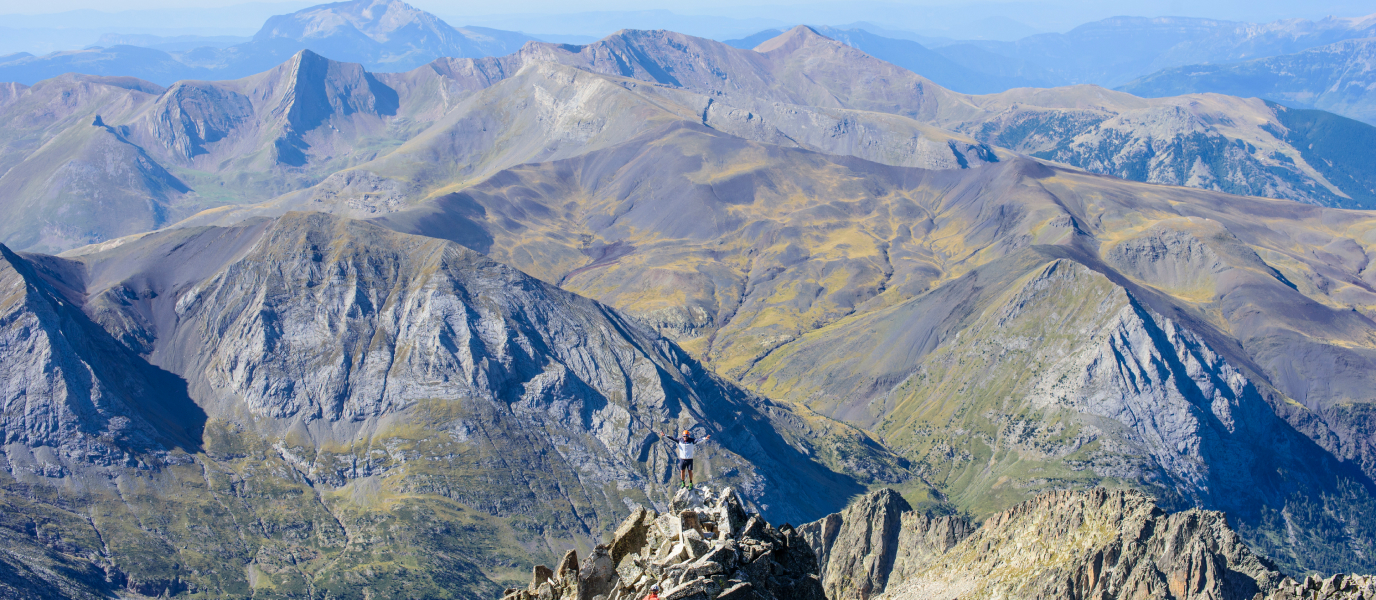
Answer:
[(378, 20), (792, 39)]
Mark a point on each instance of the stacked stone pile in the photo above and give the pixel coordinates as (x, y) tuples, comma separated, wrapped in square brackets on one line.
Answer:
[(706, 547)]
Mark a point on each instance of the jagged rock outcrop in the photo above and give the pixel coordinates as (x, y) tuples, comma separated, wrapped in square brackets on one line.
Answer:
[(1071, 545), (878, 538), (706, 547), (856, 550), (1335, 587)]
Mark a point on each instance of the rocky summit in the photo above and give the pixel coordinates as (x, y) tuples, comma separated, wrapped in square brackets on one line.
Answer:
[(705, 547)]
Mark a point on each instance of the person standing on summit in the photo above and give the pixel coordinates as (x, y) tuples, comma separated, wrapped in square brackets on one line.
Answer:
[(687, 445)]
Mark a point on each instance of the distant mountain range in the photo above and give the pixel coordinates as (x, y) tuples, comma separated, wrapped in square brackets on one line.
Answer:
[(1339, 78), (391, 36), (383, 35), (1115, 51), (1109, 53), (1144, 57), (312, 121)]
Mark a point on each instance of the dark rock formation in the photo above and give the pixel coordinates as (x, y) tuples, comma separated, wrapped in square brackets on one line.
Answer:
[(706, 547), (1337, 587), (877, 538), (856, 551)]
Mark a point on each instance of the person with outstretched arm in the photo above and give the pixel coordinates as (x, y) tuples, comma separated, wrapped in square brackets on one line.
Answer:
[(687, 445)]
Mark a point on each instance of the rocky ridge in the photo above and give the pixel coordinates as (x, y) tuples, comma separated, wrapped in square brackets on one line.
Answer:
[(1096, 544), (1207, 141), (707, 546)]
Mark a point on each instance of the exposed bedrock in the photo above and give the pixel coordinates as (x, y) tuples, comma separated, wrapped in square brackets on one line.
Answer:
[(1098, 544)]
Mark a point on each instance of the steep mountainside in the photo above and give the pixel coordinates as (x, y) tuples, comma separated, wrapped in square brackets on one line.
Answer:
[(67, 177), (1338, 78), (549, 112), (167, 153), (380, 412), (1191, 351)]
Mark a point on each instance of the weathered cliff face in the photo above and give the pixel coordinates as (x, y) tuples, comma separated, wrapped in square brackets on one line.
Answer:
[(1098, 544), (706, 547), (1095, 544), (1172, 143), (876, 540)]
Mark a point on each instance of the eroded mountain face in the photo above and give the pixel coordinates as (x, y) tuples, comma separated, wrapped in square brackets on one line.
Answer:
[(353, 398), (1076, 545)]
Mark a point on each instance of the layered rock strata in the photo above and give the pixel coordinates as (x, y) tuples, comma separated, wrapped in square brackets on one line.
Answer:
[(707, 546)]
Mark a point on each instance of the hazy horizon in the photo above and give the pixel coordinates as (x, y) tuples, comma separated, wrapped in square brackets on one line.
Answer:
[(75, 24), (1077, 11)]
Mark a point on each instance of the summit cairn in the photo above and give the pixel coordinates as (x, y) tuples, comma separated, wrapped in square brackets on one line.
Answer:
[(707, 546)]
